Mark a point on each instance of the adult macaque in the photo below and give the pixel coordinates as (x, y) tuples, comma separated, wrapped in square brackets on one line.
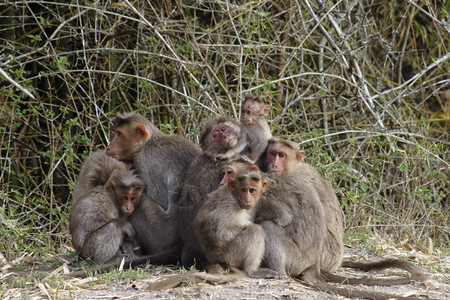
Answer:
[(161, 159), (283, 159), (204, 175), (255, 132), (225, 229), (95, 172), (311, 246), (98, 222)]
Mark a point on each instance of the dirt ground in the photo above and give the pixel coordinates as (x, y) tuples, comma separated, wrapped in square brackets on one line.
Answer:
[(438, 287)]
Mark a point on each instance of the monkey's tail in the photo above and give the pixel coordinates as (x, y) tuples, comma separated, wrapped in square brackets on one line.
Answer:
[(416, 272), (176, 280), (373, 281), (384, 264), (312, 277)]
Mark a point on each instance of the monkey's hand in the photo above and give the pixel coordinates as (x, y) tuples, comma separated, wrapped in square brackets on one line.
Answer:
[(223, 156), (284, 219), (128, 230), (247, 159)]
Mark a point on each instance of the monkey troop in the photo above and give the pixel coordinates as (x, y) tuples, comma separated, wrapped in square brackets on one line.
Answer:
[(242, 200)]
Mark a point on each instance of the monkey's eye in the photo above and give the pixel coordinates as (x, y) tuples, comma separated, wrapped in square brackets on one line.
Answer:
[(252, 191), (243, 190), (273, 153), (118, 133), (223, 128), (229, 171), (281, 155), (216, 134)]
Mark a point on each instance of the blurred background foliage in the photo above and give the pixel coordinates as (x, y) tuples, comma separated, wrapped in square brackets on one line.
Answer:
[(362, 86)]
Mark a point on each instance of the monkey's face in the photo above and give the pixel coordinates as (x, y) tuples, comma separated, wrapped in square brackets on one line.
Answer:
[(228, 172), (125, 143), (276, 159), (250, 112), (128, 198), (247, 188), (223, 136), (282, 159)]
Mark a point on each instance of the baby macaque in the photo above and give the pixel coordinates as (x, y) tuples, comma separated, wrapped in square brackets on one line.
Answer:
[(255, 131)]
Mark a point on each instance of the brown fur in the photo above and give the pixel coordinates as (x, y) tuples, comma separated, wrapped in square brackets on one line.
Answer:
[(94, 172), (161, 159), (312, 245), (203, 177), (155, 229), (225, 229), (255, 131), (98, 222)]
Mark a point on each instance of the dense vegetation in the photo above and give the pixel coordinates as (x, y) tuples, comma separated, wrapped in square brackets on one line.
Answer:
[(362, 86)]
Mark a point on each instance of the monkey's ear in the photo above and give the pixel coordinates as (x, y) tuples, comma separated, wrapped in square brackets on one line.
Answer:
[(140, 130), (265, 110), (112, 186), (253, 169), (299, 155), (264, 185), (231, 183)]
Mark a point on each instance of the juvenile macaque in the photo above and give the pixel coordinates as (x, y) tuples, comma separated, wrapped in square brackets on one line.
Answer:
[(225, 229), (266, 209), (98, 222), (203, 176), (95, 172), (162, 160), (255, 132)]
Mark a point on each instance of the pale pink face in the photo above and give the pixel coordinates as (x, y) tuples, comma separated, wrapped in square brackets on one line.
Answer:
[(277, 159), (282, 159)]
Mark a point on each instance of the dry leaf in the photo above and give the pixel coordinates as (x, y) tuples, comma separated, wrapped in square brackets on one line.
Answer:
[(44, 290)]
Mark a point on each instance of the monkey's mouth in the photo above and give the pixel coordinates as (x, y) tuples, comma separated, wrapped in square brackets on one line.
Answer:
[(246, 207), (231, 143)]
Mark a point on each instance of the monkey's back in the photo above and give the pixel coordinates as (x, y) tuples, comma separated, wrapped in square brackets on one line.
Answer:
[(90, 213), (334, 217), (163, 163)]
